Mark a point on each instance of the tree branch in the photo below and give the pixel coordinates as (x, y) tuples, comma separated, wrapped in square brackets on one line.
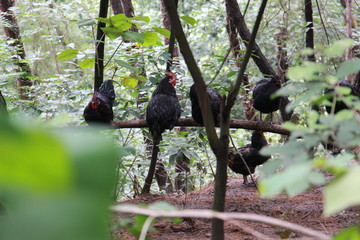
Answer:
[(251, 44), (100, 45), (194, 71), (228, 216), (233, 11), (189, 122), (309, 28)]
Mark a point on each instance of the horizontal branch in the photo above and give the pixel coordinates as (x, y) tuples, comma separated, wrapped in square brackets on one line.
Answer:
[(189, 122), (228, 216)]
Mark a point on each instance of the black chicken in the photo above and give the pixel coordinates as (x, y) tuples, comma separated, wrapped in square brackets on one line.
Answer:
[(162, 112), (3, 108), (214, 99), (262, 93), (99, 109), (250, 153), (340, 105)]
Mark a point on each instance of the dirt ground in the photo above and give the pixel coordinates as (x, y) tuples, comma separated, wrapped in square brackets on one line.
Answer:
[(304, 209)]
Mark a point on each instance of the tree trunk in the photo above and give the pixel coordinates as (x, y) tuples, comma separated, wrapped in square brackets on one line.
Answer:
[(234, 41), (116, 6), (310, 28), (218, 145), (173, 50), (282, 63), (234, 13), (100, 45), (12, 32)]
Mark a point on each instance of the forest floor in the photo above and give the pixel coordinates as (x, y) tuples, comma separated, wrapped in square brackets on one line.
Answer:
[(305, 209)]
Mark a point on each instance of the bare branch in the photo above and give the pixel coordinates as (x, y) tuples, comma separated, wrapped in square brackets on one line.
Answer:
[(189, 122), (197, 213)]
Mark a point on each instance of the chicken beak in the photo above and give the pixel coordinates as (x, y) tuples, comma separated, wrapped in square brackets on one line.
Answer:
[(173, 82)]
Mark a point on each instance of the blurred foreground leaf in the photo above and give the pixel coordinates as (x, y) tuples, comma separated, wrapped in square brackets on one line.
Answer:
[(346, 185), (351, 233), (55, 185)]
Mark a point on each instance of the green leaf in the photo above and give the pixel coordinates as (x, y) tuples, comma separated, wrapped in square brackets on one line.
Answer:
[(337, 49), (125, 65), (90, 62), (121, 24), (166, 33), (308, 71), (343, 90), (348, 68), (351, 233), (293, 180), (343, 115), (104, 20), (119, 17), (41, 165), (112, 32), (67, 54), (128, 82), (125, 151), (150, 38), (307, 52), (141, 78), (144, 19), (86, 22), (342, 192), (134, 37), (231, 74), (189, 20)]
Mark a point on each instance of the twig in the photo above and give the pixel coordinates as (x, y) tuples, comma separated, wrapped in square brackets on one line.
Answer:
[(221, 66), (112, 55), (208, 214), (250, 231), (146, 227), (322, 22)]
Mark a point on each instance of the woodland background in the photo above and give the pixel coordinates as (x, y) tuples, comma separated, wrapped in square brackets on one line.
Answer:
[(56, 74)]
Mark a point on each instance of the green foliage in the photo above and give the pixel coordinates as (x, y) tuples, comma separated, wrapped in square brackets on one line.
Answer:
[(63, 87), (162, 31), (345, 185), (55, 185), (189, 20), (338, 48), (67, 54), (351, 233), (87, 63), (125, 65), (302, 157), (26, 162)]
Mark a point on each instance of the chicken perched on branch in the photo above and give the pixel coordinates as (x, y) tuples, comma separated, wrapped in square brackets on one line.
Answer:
[(340, 105), (214, 98), (162, 112), (99, 109), (250, 154), (262, 93)]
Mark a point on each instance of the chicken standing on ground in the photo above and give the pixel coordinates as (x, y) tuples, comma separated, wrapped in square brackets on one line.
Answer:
[(162, 112), (214, 99), (250, 153), (262, 93), (340, 105), (99, 109)]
